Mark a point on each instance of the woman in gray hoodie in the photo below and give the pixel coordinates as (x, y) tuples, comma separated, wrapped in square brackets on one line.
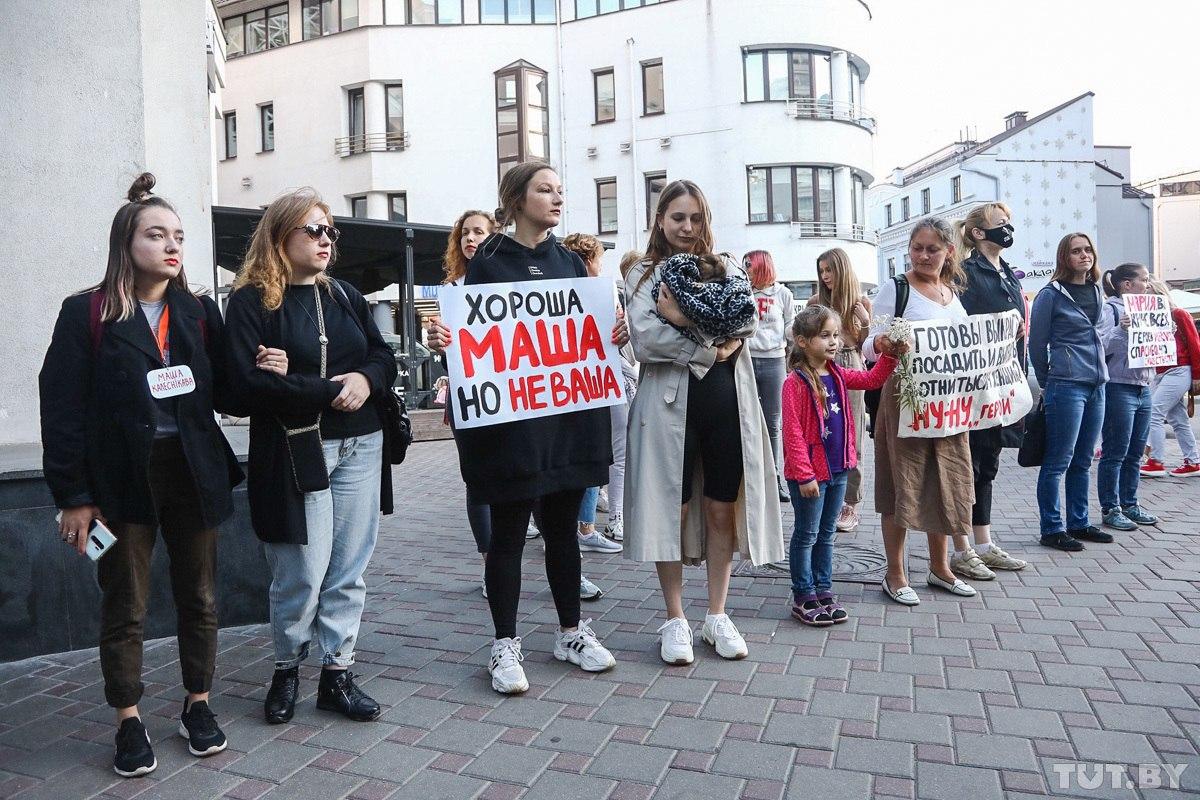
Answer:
[(768, 347)]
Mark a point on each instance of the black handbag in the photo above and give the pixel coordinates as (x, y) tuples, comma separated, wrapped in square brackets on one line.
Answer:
[(306, 451), (1033, 442)]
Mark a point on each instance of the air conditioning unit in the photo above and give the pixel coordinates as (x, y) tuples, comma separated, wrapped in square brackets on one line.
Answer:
[(591, 152), (664, 141), (247, 182), (625, 147)]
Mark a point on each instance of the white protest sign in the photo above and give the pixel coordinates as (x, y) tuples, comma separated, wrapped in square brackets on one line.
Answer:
[(530, 349), (968, 375), (1151, 331), (170, 381)]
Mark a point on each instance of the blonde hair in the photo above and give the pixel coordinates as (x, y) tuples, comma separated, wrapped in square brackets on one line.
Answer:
[(808, 323), (1160, 287), (584, 245), (952, 272), (978, 217), (454, 263), (847, 291), (628, 261), (266, 265)]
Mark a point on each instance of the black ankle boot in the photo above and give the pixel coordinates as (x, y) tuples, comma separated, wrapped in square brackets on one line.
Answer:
[(338, 692), (281, 697)]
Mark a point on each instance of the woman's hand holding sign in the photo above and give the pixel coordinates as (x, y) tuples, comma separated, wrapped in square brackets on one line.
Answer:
[(620, 331), (437, 336)]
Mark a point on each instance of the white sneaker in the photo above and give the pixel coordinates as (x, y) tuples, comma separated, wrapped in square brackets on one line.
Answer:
[(583, 649), (602, 500), (588, 590), (596, 542), (615, 529), (505, 666), (721, 633), (483, 583), (675, 641), (532, 531)]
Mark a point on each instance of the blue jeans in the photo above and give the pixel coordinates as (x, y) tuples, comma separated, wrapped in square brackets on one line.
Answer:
[(811, 553), (319, 587), (587, 506), (1074, 414), (1127, 410)]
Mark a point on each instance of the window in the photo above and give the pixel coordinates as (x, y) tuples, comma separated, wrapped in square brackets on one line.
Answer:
[(398, 207), (788, 75), (522, 116), (606, 95), (792, 194), (956, 189), (652, 88), (499, 12), (231, 134), (606, 205), (891, 267), (590, 8), (860, 200), (358, 207), (905, 213), (655, 183), (256, 31), (356, 120), (394, 95), (323, 17), (925, 205), (266, 122), (435, 12), (887, 213)]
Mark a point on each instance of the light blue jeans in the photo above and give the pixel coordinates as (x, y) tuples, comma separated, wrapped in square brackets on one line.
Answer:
[(811, 553), (587, 506), (1169, 393), (318, 587)]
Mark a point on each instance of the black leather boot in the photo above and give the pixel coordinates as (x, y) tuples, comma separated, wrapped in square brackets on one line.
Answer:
[(281, 697), (338, 692)]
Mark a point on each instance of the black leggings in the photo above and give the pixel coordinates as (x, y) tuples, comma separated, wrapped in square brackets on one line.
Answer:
[(502, 574), (479, 516), (713, 433), (985, 464)]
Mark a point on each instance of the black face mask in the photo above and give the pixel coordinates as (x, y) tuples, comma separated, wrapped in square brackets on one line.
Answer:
[(1001, 235)]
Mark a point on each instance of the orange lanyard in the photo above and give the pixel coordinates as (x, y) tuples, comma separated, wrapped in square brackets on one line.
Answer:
[(161, 334)]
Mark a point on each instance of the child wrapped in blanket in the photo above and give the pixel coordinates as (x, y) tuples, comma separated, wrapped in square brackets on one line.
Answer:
[(717, 299)]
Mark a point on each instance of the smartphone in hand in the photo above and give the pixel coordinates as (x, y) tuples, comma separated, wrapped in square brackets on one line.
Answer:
[(100, 538)]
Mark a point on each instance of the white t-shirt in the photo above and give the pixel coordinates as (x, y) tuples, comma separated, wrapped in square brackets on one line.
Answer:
[(919, 308)]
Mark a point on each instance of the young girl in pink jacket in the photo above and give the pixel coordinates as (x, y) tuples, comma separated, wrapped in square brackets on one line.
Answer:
[(818, 450)]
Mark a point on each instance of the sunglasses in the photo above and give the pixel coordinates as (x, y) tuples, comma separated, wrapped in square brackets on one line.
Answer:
[(315, 231)]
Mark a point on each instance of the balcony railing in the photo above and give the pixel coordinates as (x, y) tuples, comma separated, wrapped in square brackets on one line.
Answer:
[(822, 108), (370, 143), (831, 230)]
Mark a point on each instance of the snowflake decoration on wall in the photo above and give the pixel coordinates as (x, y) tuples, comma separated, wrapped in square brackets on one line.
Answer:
[(1026, 178), (1078, 215), (1071, 134), (1046, 222), (1045, 184), (1029, 254), (1059, 144)]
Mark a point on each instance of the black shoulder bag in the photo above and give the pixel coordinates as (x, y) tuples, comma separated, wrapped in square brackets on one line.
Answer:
[(306, 452)]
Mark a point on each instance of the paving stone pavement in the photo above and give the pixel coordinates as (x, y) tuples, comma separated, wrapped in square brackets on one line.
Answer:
[(1087, 659)]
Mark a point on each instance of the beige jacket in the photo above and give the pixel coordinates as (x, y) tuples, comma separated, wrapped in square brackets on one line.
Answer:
[(654, 448)]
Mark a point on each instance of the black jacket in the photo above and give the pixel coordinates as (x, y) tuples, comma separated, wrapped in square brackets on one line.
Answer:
[(532, 457), (992, 291), (98, 418), (276, 505)]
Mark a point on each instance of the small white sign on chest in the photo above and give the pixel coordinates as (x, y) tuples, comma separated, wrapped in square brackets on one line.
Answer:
[(170, 381)]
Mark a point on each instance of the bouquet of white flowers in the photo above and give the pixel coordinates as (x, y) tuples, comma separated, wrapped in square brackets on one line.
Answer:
[(908, 394)]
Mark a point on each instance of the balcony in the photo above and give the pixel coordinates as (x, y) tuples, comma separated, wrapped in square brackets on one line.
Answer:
[(831, 230), (370, 143), (824, 108), (214, 50)]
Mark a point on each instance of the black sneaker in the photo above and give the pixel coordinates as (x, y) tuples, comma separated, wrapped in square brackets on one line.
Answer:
[(338, 692), (1092, 534), (134, 755), (199, 726), (281, 697), (1062, 541)]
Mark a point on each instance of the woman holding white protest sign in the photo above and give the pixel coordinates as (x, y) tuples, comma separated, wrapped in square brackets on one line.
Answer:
[(1169, 392), (920, 483), (1068, 361), (990, 288), (697, 401), (549, 459), (1127, 406)]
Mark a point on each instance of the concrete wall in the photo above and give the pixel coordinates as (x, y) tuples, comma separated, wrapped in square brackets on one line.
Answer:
[(1177, 237)]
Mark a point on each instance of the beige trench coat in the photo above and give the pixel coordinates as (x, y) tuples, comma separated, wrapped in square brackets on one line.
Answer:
[(654, 448)]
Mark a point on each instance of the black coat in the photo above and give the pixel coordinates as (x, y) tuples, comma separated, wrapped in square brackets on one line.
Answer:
[(98, 418), (276, 505), (992, 291)]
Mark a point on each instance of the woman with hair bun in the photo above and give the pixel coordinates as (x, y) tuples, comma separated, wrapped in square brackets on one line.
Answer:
[(125, 447), (769, 345)]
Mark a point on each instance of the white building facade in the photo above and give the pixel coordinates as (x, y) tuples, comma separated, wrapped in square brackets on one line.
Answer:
[(1047, 169), (411, 109), (1177, 228)]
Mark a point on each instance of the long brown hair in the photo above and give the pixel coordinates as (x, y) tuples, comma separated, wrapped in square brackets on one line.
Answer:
[(266, 265), (657, 248), (117, 286), (847, 291), (454, 263), (513, 186), (952, 272), (1062, 258), (807, 324)]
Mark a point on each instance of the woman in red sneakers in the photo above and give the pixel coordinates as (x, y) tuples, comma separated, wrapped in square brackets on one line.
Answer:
[(1169, 395)]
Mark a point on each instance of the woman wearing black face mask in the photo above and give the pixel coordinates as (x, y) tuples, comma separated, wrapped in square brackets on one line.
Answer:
[(991, 288)]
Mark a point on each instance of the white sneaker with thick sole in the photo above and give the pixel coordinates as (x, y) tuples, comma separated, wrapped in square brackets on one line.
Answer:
[(583, 649), (597, 542), (589, 590), (675, 641), (505, 666), (615, 529), (602, 500), (721, 633)]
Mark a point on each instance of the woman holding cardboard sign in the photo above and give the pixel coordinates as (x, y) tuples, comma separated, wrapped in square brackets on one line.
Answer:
[(697, 435), (1170, 390), (128, 389)]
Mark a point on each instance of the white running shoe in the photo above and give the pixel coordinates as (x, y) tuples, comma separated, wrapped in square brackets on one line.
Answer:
[(675, 641), (721, 633), (588, 590), (597, 542), (583, 649), (505, 666), (602, 500), (615, 529)]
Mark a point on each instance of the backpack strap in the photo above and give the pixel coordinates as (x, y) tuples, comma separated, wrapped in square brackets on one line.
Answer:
[(902, 290)]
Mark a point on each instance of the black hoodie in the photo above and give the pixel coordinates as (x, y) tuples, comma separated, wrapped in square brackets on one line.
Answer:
[(532, 457)]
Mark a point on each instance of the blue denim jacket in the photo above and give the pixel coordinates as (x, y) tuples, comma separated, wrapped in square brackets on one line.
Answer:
[(1063, 342)]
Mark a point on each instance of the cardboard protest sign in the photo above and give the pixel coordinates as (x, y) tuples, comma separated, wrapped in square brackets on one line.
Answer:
[(968, 376), (1151, 331), (530, 349)]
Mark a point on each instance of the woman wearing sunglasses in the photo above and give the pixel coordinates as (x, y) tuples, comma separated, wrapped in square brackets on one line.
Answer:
[(317, 479)]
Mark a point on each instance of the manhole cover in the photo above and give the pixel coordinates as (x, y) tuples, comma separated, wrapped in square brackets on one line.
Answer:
[(855, 563)]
